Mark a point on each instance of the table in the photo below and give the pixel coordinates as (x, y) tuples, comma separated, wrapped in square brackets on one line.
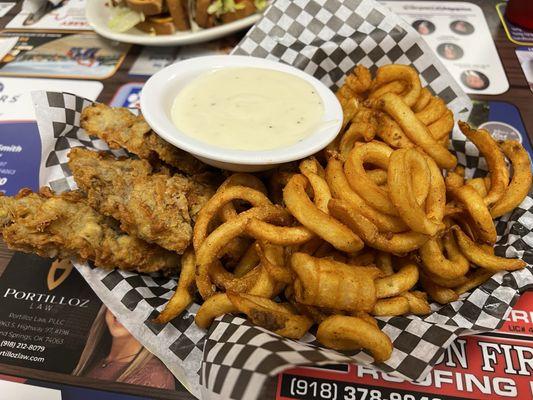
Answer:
[(518, 94)]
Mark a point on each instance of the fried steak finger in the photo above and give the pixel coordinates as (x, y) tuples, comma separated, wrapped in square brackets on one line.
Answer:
[(66, 226), (120, 128), (152, 206)]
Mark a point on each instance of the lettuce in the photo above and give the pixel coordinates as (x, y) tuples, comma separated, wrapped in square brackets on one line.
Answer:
[(260, 4), (219, 7), (123, 19)]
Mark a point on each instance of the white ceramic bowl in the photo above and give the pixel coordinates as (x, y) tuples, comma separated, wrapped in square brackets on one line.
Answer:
[(160, 90)]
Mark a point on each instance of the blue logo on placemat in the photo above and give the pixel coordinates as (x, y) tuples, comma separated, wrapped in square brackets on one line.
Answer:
[(20, 156), (128, 95)]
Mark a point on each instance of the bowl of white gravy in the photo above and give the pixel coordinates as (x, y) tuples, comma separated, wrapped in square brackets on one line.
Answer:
[(241, 113)]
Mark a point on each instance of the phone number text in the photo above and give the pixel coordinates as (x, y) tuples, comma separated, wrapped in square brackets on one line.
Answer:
[(311, 389)]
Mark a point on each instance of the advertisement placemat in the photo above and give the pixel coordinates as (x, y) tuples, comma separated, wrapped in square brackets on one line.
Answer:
[(45, 15), (128, 95), (20, 143), (51, 321), (459, 35), (61, 55), (502, 120), (525, 58), (15, 94), (45, 314)]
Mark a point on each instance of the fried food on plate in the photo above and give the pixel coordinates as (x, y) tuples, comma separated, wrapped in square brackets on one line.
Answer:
[(450, 266), (487, 146), (397, 283), (424, 216), (415, 129), (364, 233), (164, 17), (323, 282), (520, 182), (183, 295), (352, 333), (120, 128), (209, 13), (160, 24), (399, 73), (152, 206), (213, 246), (271, 315), (478, 212), (477, 255), (317, 221), (65, 226), (381, 221)]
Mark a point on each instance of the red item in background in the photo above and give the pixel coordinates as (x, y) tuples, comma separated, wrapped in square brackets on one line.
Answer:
[(520, 12)]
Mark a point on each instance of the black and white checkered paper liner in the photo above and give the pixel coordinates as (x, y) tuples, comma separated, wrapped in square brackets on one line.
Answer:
[(234, 359), (327, 38)]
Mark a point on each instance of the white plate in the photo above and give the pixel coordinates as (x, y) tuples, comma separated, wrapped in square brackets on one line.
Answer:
[(160, 90), (97, 14)]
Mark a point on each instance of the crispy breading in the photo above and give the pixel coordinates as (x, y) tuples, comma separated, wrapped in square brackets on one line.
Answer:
[(203, 187), (65, 226), (120, 128), (151, 206)]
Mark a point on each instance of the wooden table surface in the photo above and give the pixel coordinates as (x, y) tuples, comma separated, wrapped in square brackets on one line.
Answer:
[(518, 94)]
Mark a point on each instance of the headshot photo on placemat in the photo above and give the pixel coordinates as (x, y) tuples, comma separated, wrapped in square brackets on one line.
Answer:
[(462, 27), (450, 51), (423, 26), (475, 79), (113, 354)]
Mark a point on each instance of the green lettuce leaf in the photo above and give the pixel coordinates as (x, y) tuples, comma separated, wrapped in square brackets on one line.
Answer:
[(124, 18), (219, 7), (260, 4)]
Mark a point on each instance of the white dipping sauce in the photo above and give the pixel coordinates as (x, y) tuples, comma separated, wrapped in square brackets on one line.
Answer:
[(248, 109)]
